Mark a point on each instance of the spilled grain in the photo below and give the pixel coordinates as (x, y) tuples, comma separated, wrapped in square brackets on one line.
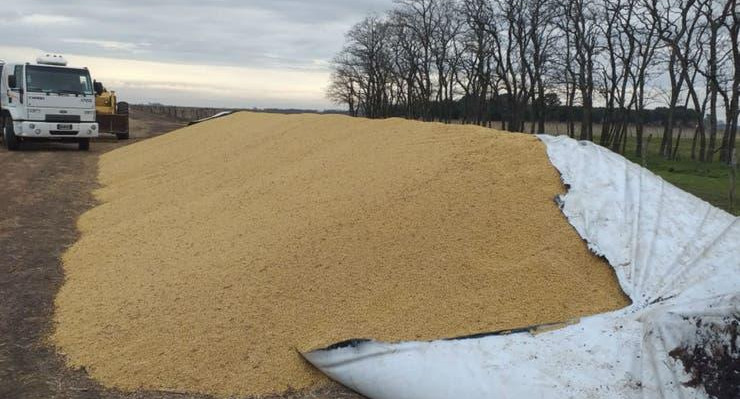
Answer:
[(221, 250)]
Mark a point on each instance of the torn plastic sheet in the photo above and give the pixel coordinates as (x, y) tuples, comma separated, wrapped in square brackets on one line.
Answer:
[(676, 256), (216, 116)]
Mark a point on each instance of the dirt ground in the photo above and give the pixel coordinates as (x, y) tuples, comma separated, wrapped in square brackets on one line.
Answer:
[(43, 190)]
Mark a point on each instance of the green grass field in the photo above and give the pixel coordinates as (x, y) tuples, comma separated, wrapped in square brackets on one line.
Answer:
[(708, 181)]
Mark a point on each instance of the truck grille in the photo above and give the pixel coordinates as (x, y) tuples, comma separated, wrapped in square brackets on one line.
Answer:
[(63, 118), (63, 133)]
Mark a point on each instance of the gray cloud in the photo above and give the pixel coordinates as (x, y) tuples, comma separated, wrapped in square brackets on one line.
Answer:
[(278, 34)]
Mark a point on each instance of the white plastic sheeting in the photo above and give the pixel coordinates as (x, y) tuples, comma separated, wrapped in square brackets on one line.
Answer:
[(216, 116), (676, 256)]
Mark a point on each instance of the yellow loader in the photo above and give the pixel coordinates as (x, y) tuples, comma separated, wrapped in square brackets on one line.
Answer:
[(111, 114)]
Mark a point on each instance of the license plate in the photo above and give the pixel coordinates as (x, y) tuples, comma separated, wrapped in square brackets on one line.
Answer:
[(64, 127)]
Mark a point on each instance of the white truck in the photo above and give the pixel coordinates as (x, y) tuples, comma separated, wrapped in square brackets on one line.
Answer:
[(46, 101)]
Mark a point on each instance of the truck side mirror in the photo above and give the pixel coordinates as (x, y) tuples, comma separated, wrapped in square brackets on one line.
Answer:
[(12, 83)]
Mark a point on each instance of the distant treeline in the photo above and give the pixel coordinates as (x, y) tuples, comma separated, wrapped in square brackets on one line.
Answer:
[(497, 112), (189, 114), (518, 61)]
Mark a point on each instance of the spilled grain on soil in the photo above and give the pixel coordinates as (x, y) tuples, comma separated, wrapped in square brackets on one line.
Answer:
[(221, 250)]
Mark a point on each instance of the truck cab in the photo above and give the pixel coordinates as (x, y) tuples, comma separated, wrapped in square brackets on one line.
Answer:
[(46, 101)]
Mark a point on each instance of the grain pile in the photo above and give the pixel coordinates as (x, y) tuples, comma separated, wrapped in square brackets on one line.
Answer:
[(221, 249)]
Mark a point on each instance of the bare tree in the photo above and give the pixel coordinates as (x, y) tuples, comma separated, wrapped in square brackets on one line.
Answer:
[(448, 26), (405, 65), (418, 18), (643, 36), (542, 35), (614, 71), (713, 22), (512, 43), (733, 110), (475, 79), (581, 17), (343, 88), (677, 23), (367, 53), (564, 72)]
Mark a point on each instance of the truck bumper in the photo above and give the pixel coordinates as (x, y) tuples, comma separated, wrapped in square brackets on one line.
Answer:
[(49, 130)]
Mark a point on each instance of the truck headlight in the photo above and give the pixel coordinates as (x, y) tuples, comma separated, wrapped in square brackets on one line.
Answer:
[(94, 127), (32, 126)]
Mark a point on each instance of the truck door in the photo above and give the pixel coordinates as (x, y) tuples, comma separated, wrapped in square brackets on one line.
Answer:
[(15, 92), (2, 87)]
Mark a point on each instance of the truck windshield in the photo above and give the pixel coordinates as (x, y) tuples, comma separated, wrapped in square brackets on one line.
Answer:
[(58, 80)]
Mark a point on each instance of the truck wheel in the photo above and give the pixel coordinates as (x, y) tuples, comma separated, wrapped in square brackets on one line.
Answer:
[(122, 108), (9, 137), (84, 144), (122, 136)]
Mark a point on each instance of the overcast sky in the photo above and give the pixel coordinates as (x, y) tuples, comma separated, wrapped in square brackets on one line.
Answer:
[(271, 53)]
